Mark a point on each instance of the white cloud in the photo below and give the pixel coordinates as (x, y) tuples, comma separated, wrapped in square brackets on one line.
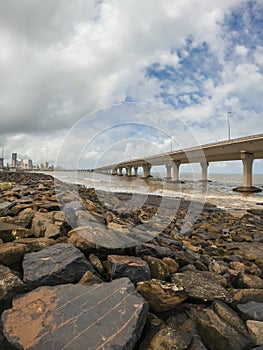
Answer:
[(61, 60)]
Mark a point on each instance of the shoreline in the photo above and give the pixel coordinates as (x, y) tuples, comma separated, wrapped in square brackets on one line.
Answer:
[(183, 265)]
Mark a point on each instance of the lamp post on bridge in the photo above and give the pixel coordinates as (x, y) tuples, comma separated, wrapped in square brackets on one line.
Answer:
[(228, 124)]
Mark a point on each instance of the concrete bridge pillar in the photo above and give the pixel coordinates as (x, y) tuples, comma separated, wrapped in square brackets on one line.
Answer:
[(135, 171), (204, 167), (168, 171), (120, 171), (128, 170), (176, 166), (247, 159), (146, 170)]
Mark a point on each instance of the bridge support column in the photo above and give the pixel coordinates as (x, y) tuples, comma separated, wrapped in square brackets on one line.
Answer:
[(135, 171), (247, 159), (128, 170), (168, 171), (120, 171), (204, 167), (114, 171), (176, 174), (146, 170)]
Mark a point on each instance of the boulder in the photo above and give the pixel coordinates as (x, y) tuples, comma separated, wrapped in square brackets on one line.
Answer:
[(161, 295), (88, 247), (251, 310), (255, 329), (9, 232), (171, 264), (166, 338), (104, 316), (10, 284), (136, 269), (59, 264), (12, 253), (245, 295), (51, 225), (221, 328), (249, 281), (159, 269), (154, 250), (202, 286)]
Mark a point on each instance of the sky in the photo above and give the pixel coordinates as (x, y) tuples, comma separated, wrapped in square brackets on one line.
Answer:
[(98, 81)]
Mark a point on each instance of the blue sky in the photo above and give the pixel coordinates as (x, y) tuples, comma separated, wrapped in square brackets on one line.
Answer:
[(189, 62)]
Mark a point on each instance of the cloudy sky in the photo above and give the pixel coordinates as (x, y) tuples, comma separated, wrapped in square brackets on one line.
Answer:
[(76, 69)]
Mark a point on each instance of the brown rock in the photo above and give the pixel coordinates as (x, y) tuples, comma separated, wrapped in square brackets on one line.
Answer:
[(245, 295), (9, 232), (249, 281), (12, 253), (171, 264), (255, 329), (89, 279), (158, 268), (161, 295), (10, 284)]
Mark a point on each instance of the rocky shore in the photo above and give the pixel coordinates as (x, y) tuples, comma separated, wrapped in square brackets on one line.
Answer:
[(62, 288)]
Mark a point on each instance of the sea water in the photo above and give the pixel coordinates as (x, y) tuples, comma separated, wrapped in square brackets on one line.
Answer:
[(218, 191)]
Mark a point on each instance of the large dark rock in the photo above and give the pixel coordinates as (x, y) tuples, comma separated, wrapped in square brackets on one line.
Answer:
[(249, 281), (251, 310), (221, 328), (105, 316), (132, 267), (60, 263), (202, 286), (161, 295), (10, 284)]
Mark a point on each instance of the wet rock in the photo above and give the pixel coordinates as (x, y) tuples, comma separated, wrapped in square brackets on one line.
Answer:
[(128, 266), (10, 284), (159, 269), (221, 328), (88, 279), (251, 310), (59, 264), (202, 286), (106, 316), (249, 281), (245, 295), (9, 232), (161, 295), (255, 329)]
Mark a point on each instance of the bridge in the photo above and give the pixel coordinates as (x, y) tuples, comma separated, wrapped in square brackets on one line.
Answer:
[(245, 149)]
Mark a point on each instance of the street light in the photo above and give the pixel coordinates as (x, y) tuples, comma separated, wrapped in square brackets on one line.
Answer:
[(228, 124)]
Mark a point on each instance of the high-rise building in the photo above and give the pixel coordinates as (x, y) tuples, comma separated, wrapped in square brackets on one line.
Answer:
[(30, 164), (14, 160), (1, 162)]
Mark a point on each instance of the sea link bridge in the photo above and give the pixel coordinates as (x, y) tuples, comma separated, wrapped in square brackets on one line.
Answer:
[(245, 149)]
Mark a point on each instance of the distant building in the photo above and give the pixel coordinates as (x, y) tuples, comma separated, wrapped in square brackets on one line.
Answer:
[(30, 164), (14, 160), (1, 162)]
